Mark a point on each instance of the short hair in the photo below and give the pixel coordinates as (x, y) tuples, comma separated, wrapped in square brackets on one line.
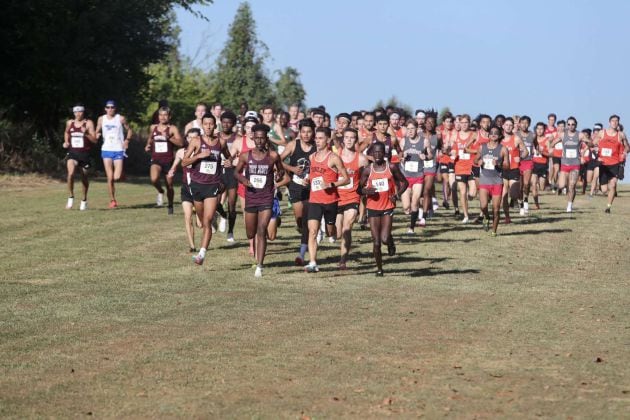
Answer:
[(370, 113), (510, 119), (165, 109), (587, 131), (216, 104), (563, 122), (193, 130), (209, 115), (351, 130), (318, 111), (613, 116), (356, 114), (326, 130), (555, 117), (464, 117), (268, 106), (229, 115), (572, 118), (344, 115), (260, 127), (526, 118), (412, 122), (306, 122), (382, 117)]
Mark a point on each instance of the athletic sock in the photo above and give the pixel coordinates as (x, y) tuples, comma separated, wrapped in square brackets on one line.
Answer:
[(202, 252), (303, 249), (221, 211), (414, 218), (231, 221)]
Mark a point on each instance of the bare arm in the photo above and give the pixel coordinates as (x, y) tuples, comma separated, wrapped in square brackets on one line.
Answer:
[(90, 134), (401, 182), (66, 136), (176, 137), (179, 155), (238, 172), (343, 178), (193, 149), (147, 148)]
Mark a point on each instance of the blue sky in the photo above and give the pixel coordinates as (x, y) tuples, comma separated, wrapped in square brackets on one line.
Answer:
[(535, 57)]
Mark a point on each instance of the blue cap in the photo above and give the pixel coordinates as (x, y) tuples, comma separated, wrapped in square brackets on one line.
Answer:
[(110, 102)]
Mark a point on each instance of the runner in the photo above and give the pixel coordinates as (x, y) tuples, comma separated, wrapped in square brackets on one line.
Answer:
[(200, 109), (78, 138), (185, 193), (366, 134), (429, 201), (255, 170), (516, 151), (342, 121), (446, 176), (493, 160), (115, 144), (326, 174), (294, 109), (586, 157), (162, 137), (613, 145), (556, 153), (461, 154), (227, 135), (541, 162), (381, 135), (395, 128), (594, 163), (204, 154), (383, 184), (298, 166), (349, 198), (570, 160), (527, 164), (485, 121), (415, 151)]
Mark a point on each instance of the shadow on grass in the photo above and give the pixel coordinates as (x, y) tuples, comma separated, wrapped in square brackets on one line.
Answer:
[(430, 272), (535, 232)]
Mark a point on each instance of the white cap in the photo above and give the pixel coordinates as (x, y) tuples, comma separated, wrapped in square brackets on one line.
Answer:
[(251, 114)]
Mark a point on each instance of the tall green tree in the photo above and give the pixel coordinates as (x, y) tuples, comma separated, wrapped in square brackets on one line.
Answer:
[(59, 52), (396, 103), (240, 73), (445, 110), (289, 89)]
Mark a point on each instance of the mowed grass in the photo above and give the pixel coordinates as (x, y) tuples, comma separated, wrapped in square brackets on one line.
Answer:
[(102, 313)]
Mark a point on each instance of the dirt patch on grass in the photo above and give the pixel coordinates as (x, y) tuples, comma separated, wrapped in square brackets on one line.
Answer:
[(13, 181)]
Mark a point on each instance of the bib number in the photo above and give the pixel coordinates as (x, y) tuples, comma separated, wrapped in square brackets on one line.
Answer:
[(258, 181), (463, 155), (77, 141), (111, 138), (411, 166), (571, 153), (606, 152), (488, 163), (317, 183), (208, 168), (161, 147), (428, 163), (558, 146), (298, 180), (380, 185)]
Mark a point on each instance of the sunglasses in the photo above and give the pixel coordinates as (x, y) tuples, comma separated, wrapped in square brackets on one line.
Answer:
[(571, 125), (110, 107)]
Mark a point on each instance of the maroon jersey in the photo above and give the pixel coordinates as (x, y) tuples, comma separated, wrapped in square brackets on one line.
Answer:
[(161, 147), (78, 141), (208, 169), (260, 175)]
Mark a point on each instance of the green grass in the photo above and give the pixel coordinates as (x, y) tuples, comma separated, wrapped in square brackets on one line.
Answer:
[(103, 313)]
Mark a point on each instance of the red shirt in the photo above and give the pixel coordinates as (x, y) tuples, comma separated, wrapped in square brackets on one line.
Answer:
[(321, 174), (385, 187)]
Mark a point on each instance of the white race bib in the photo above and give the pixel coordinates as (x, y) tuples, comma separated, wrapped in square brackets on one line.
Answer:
[(381, 185), (558, 146), (208, 167), (606, 152), (161, 147), (428, 163), (111, 138), (77, 140), (463, 155), (258, 181), (317, 183), (298, 180), (571, 153), (349, 185), (488, 163), (411, 166)]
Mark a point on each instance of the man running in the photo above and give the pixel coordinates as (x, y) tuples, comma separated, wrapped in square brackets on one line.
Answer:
[(162, 137), (461, 154), (429, 201), (526, 165), (326, 174), (78, 139), (255, 170), (227, 135), (541, 162), (200, 110), (516, 151), (613, 146), (570, 160), (383, 184), (415, 151)]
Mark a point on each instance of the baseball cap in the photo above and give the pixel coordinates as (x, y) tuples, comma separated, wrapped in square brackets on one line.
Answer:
[(110, 102)]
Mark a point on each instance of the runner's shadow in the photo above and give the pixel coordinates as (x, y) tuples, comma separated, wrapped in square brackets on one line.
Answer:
[(535, 232), (429, 272)]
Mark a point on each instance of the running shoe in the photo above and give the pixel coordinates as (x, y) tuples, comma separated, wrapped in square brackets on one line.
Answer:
[(159, 200), (320, 236), (342, 266), (445, 205), (410, 231), (391, 249), (607, 210), (113, 204), (522, 211), (311, 268), (507, 221), (83, 205), (258, 272), (222, 225), (422, 222), (379, 273), (170, 210), (332, 239), (486, 225), (456, 212), (569, 208), (299, 261), (193, 249), (198, 259), (230, 237), (70, 203), (478, 219), (465, 221), (493, 234), (435, 204)]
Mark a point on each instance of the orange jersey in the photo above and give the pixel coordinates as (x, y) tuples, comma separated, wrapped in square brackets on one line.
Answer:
[(611, 149), (445, 158), (463, 159), (321, 174), (348, 193), (514, 153), (557, 149), (539, 157), (385, 187)]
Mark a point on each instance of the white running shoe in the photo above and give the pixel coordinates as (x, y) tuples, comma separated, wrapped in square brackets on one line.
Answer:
[(422, 222), (83, 205), (258, 272), (230, 237), (222, 225), (526, 206), (465, 220), (569, 208), (311, 268), (332, 239), (410, 231), (160, 200), (70, 203), (320, 236), (522, 211), (435, 204)]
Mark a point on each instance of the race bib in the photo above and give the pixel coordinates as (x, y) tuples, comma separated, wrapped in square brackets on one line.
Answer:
[(77, 141), (349, 185), (606, 152), (111, 138), (208, 167), (558, 146), (161, 147), (488, 163), (411, 166), (428, 163), (463, 155), (258, 181), (298, 180), (381, 185), (571, 153), (317, 183)]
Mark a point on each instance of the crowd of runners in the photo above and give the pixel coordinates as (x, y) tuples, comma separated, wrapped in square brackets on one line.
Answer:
[(355, 167)]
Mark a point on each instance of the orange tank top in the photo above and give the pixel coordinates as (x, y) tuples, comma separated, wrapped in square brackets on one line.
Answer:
[(321, 174), (463, 159), (610, 149), (514, 153), (385, 186), (348, 193), (539, 156)]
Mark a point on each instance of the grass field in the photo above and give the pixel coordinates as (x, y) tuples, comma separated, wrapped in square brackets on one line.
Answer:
[(102, 313)]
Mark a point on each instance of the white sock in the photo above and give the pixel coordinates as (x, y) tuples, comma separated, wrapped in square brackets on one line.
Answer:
[(202, 252)]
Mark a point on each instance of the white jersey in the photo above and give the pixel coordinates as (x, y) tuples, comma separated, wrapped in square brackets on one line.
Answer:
[(113, 136), (195, 124)]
